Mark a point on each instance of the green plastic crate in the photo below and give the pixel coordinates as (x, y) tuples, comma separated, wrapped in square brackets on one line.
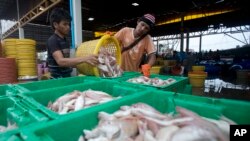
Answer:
[(124, 75), (177, 86), (14, 137), (187, 89), (236, 110), (7, 90), (13, 109), (53, 83), (41, 98), (71, 127)]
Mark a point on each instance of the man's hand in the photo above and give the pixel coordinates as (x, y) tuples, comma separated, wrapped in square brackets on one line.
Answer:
[(146, 70)]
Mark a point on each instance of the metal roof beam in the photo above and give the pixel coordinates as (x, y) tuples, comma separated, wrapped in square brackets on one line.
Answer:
[(32, 14), (221, 30)]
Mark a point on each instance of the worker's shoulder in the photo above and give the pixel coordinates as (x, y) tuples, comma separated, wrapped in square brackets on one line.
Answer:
[(127, 29), (52, 37)]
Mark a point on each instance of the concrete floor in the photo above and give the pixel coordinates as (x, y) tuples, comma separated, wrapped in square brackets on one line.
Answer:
[(227, 93)]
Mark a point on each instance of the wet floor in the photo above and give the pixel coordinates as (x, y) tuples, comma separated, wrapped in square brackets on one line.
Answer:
[(219, 88)]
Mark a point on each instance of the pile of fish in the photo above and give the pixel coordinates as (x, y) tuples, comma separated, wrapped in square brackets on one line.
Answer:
[(141, 122), (108, 66), (77, 100), (9, 127), (151, 81)]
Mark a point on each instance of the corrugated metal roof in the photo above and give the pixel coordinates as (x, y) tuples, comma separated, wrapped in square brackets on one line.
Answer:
[(114, 14)]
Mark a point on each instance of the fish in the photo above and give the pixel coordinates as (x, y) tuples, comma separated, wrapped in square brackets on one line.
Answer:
[(108, 66), (166, 133), (142, 122), (151, 81), (77, 100), (9, 126)]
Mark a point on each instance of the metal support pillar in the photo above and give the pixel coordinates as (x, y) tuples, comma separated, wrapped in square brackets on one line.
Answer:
[(76, 24), (20, 30), (200, 43), (182, 32), (21, 33), (76, 27), (187, 42)]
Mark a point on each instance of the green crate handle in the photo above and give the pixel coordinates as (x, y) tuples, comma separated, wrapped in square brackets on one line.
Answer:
[(26, 102)]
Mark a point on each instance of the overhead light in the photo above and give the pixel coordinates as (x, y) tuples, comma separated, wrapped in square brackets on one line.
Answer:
[(211, 26), (91, 19), (135, 4), (219, 1), (41, 8)]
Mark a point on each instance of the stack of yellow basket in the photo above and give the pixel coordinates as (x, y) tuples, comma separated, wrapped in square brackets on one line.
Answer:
[(197, 76), (9, 46), (26, 57)]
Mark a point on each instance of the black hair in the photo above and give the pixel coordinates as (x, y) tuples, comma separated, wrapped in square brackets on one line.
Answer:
[(59, 14)]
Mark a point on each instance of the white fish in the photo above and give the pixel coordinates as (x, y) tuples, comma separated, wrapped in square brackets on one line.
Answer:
[(120, 113), (101, 138), (103, 100), (108, 65), (223, 125), (194, 133), (71, 102), (151, 114), (80, 102), (148, 136), (64, 110), (81, 138), (170, 122), (2, 128), (166, 133), (103, 68), (103, 116)]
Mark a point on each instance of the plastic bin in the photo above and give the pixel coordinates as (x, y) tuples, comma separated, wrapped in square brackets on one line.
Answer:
[(7, 90), (198, 68), (3, 90), (41, 98), (71, 127), (12, 137), (15, 111), (124, 75), (155, 70), (53, 83), (93, 47), (177, 86), (187, 89), (197, 79)]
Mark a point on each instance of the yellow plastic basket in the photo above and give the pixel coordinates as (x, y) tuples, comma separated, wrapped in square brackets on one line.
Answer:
[(27, 65), (9, 48), (27, 61), (155, 70), (169, 62), (26, 42), (92, 47), (197, 79), (198, 68), (10, 41)]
